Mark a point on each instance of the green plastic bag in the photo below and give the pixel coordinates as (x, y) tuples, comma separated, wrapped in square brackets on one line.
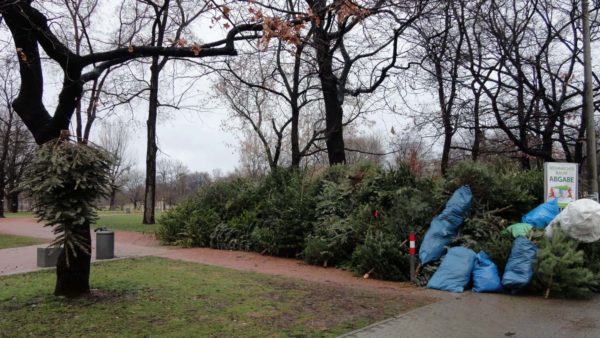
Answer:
[(518, 230)]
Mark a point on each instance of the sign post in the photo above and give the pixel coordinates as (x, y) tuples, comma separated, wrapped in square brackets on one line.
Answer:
[(561, 182), (412, 252)]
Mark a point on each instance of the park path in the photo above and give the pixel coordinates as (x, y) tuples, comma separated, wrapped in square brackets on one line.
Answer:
[(133, 244), (479, 315), (23, 259)]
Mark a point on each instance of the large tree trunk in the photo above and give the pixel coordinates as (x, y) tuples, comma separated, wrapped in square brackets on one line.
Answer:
[(155, 69), (13, 201), (475, 150), (113, 195), (478, 137), (335, 133), (446, 150), (150, 194), (445, 109), (2, 186), (296, 156), (334, 113), (295, 143), (1, 200), (72, 279), (73, 274)]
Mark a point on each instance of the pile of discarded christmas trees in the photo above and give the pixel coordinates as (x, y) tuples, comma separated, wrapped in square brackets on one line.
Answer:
[(547, 255)]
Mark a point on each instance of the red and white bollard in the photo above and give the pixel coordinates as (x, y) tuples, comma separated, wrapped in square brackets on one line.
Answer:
[(412, 252)]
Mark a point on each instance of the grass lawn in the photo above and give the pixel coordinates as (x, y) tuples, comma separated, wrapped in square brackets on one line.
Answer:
[(10, 241), (114, 220), (127, 222), (18, 214), (150, 297)]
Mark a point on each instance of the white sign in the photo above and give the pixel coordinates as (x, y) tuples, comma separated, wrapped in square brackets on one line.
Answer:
[(560, 182)]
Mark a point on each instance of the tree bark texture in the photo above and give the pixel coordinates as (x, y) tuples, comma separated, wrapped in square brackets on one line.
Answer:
[(73, 274), (3, 158), (13, 201), (334, 113), (150, 193)]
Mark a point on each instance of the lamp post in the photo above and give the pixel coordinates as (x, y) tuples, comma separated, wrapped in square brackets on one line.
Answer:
[(588, 106)]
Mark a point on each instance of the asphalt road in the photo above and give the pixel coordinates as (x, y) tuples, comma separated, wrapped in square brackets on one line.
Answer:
[(492, 315)]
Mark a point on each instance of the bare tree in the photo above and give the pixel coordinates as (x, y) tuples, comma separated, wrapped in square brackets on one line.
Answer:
[(172, 179), (114, 137), (7, 117), (169, 23), (440, 45), (284, 73), (524, 56), (15, 141), (134, 187), (257, 109), (364, 149), (252, 161), (334, 28)]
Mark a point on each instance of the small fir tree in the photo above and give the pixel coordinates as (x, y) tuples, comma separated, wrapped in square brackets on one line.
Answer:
[(560, 268), (66, 179)]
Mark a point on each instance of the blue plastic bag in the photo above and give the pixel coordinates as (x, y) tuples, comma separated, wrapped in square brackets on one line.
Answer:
[(519, 268), (454, 273), (542, 215), (444, 227), (485, 274)]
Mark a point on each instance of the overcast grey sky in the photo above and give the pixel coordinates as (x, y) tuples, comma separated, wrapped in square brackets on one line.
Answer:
[(198, 141)]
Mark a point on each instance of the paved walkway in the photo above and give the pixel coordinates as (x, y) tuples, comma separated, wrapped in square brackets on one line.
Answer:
[(24, 259), (493, 315)]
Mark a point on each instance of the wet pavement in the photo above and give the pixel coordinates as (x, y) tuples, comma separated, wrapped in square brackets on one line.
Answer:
[(24, 259), (493, 315)]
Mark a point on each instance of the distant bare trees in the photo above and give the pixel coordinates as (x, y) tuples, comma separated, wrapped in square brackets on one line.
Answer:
[(133, 187), (16, 144), (507, 78), (114, 137)]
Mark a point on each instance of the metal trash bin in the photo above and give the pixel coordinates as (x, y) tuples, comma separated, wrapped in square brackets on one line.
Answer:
[(105, 243)]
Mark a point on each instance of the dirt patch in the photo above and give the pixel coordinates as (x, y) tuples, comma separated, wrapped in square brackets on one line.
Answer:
[(136, 238), (331, 306), (293, 268)]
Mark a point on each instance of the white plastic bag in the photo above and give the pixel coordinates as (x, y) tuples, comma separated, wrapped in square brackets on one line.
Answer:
[(579, 220)]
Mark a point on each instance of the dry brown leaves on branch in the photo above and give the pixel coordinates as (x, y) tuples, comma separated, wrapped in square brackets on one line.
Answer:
[(283, 30), (347, 9), (196, 49)]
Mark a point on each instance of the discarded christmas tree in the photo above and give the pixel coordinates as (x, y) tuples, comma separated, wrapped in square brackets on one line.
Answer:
[(66, 179), (560, 269)]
